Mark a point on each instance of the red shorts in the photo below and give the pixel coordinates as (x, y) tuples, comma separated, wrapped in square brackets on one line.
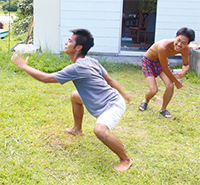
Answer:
[(151, 67)]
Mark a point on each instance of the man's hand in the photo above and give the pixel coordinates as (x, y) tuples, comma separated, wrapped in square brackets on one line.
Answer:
[(19, 61), (178, 84), (126, 96), (37, 74), (179, 75)]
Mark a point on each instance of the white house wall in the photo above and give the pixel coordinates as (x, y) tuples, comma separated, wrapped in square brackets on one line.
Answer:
[(101, 17), (54, 18), (47, 24), (174, 14)]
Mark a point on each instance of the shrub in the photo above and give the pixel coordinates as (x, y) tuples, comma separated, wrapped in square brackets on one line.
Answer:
[(46, 62), (24, 15), (12, 6)]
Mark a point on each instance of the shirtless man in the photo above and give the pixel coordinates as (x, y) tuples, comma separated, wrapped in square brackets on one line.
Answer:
[(155, 63)]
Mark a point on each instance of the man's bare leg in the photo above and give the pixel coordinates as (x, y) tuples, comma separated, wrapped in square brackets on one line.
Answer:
[(153, 89), (168, 92), (78, 111), (111, 141)]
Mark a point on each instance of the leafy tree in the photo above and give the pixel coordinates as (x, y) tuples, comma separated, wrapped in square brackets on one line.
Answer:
[(10, 6), (24, 15)]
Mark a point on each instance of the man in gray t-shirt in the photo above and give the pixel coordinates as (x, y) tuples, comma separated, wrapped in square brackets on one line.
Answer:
[(95, 89), (84, 74)]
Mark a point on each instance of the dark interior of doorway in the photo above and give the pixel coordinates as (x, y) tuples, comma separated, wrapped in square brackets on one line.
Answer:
[(128, 43)]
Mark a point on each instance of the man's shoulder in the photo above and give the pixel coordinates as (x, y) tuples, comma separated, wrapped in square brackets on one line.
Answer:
[(185, 51), (87, 58), (165, 42), (88, 62), (164, 45), (159, 46)]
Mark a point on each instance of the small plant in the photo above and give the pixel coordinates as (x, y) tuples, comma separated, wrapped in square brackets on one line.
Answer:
[(147, 6), (5, 12)]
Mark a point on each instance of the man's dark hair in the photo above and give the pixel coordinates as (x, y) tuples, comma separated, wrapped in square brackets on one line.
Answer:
[(84, 38), (187, 32), (1, 25)]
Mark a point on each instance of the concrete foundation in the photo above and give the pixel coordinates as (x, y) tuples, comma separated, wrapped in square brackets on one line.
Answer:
[(134, 58), (195, 61)]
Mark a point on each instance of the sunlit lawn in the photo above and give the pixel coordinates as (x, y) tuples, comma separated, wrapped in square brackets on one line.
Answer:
[(34, 150)]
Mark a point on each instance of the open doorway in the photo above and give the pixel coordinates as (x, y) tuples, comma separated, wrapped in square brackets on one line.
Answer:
[(138, 13)]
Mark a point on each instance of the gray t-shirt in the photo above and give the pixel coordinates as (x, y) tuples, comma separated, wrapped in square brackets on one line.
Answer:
[(87, 75)]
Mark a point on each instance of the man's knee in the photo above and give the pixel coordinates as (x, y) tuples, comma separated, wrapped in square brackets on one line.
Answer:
[(170, 86), (75, 97), (154, 90), (101, 130)]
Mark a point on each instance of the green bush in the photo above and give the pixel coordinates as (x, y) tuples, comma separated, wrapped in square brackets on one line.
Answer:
[(46, 62), (24, 15), (193, 77), (5, 61), (49, 63), (1, 4), (12, 6)]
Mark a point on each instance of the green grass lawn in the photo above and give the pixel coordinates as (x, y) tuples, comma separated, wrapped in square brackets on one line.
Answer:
[(34, 150)]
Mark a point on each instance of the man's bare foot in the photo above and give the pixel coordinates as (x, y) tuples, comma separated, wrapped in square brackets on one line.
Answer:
[(74, 131), (123, 165)]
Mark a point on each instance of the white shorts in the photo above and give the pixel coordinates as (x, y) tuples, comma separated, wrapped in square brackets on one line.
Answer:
[(111, 117)]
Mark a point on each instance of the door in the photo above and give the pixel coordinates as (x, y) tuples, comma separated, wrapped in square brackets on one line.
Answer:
[(131, 10)]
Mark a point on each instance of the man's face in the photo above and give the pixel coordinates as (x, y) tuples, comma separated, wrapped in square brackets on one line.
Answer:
[(181, 41), (69, 45)]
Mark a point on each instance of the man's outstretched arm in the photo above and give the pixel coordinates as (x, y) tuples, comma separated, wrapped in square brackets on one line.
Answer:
[(38, 75)]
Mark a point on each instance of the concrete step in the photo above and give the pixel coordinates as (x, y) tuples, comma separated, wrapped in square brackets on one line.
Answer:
[(134, 58)]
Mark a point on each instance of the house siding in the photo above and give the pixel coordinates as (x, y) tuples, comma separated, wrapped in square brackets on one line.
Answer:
[(54, 18), (174, 14), (101, 17), (46, 31)]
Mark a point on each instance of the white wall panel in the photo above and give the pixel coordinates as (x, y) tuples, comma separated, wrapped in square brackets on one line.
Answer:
[(47, 24), (174, 14), (91, 6), (102, 18), (54, 18)]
